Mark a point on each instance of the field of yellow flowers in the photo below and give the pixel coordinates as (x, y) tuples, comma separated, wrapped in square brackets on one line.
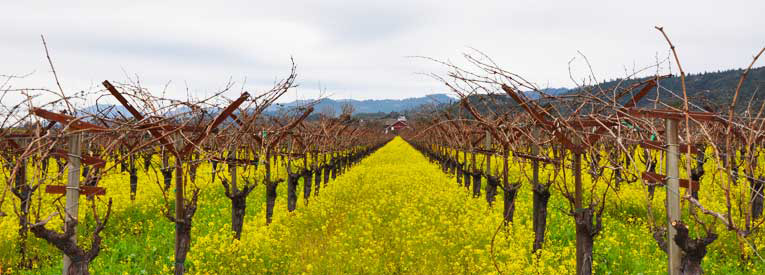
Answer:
[(394, 213)]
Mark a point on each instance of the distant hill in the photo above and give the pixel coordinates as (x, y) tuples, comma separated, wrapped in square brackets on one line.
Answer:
[(548, 91), (370, 105), (485, 102), (118, 111), (112, 111), (708, 89)]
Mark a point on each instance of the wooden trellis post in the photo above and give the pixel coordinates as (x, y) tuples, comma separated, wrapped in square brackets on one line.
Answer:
[(491, 185), (535, 152), (673, 197), (672, 178), (487, 146), (72, 190), (232, 168)]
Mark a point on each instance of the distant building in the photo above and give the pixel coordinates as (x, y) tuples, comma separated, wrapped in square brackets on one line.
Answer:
[(395, 126)]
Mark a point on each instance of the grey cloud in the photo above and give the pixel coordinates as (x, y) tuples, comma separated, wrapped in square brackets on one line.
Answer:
[(170, 50), (359, 48)]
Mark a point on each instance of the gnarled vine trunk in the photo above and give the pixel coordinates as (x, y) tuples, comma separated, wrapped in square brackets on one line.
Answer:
[(333, 167), (756, 194), (270, 200), (182, 245), (476, 184), (292, 182), (511, 192), (694, 249), (80, 258), (459, 174), (238, 208), (307, 180), (133, 183), (23, 192), (317, 180), (586, 231), (491, 189), (540, 199), (326, 174), (147, 162), (167, 175), (467, 178)]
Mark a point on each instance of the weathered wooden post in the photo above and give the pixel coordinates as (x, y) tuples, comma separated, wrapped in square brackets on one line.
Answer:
[(133, 178), (238, 204), (673, 196), (476, 173), (181, 243), (541, 195), (232, 168), (466, 169), (457, 166), (487, 146), (491, 182), (72, 190), (292, 178), (583, 241), (535, 162)]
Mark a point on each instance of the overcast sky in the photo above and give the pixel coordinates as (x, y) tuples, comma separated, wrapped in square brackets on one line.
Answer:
[(359, 49)]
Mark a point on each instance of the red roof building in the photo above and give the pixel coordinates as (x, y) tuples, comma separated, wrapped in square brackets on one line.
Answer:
[(396, 126), (399, 125)]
